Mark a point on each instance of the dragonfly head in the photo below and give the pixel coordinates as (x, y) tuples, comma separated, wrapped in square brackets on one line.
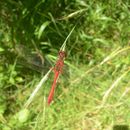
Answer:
[(62, 54)]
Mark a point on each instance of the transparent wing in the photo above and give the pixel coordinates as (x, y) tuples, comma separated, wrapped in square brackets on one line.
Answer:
[(32, 59)]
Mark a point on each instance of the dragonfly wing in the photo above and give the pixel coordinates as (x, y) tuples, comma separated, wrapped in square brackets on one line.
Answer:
[(34, 61)]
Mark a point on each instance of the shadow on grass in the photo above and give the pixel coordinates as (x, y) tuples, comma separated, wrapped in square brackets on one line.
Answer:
[(120, 127)]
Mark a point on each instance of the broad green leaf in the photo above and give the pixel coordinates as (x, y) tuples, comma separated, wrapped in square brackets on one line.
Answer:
[(2, 108), (42, 28), (6, 128), (23, 115), (19, 79), (1, 49)]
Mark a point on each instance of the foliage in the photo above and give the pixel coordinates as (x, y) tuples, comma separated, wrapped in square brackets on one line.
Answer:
[(96, 93)]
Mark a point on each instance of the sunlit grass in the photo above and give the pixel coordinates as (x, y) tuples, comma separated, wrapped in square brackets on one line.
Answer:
[(95, 93)]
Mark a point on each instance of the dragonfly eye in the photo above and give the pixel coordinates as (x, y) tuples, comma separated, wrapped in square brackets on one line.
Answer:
[(62, 54)]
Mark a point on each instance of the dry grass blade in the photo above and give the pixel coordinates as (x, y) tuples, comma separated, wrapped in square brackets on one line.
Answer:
[(107, 93), (72, 14), (116, 52), (124, 93), (37, 88), (112, 55)]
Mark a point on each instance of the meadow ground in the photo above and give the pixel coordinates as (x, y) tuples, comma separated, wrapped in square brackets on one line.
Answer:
[(93, 91)]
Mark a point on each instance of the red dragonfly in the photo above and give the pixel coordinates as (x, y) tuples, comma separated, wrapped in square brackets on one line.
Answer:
[(57, 71), (58, 67), (34, 62)]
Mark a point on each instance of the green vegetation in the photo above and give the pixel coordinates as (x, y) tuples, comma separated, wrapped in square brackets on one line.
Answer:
[(94, 94)]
